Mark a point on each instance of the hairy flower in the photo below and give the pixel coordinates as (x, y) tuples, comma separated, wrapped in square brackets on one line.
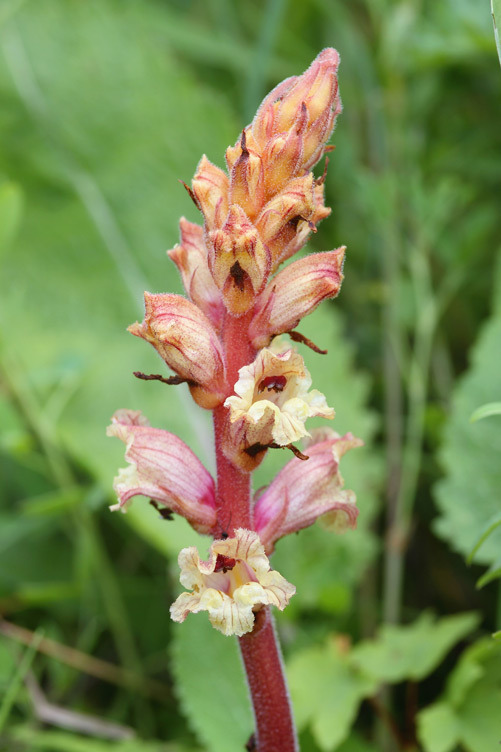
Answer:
[(294, 293), (162, 468), (239, 261), (305, 491), (186, 340), (234, 583), (271, 405)]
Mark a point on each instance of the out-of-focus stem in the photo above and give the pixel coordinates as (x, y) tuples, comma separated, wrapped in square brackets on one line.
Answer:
[(260, 649)]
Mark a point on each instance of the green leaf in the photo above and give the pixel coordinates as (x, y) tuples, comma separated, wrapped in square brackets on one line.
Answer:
[(327, 690), (438, 728), (493, 408), (210, 684), (413, 651), (468, 713), (468, 496), (491, 526)]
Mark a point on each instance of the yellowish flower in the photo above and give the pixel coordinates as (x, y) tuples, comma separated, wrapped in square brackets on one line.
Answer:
[(271, 405), (234, 583)]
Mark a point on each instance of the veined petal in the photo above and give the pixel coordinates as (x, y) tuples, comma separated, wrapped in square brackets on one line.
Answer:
[(162, 468), (305, 491), (231, 585), (294, 293), (271, 405), (186, 340), (190, 257)]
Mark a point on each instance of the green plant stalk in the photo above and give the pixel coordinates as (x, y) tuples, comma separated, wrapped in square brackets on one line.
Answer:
[(17, 680), (413, 448)]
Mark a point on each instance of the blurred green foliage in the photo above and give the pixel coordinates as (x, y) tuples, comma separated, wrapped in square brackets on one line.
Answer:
[(106, 104)]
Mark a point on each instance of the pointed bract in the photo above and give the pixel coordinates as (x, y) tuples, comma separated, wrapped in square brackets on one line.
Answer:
[(162, 468), (232, 585)]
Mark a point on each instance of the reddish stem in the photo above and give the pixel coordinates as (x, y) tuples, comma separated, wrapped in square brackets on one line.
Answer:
[(272, 709), (260, 649)]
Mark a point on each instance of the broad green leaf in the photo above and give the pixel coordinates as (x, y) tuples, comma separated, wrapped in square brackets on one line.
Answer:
[(210, 684), (413, 651), (327, 690), (438, 728), (468, 713), (468, 497)]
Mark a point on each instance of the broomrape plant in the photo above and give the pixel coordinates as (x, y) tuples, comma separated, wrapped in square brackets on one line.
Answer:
[(223, 342)]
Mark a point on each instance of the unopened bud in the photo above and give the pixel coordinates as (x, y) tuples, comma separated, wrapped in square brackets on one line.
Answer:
[(239, 261), (210, 187)]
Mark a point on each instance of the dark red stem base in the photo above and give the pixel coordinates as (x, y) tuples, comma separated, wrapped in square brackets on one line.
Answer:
[(270, 699)]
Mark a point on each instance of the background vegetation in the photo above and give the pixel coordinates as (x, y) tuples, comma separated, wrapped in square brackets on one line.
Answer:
[(105, 105)]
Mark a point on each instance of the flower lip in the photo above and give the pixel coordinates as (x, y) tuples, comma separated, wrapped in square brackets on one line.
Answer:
[(231, 585)]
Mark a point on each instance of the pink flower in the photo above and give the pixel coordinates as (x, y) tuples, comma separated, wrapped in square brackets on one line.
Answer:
[(305, 491), (232, 585), (186, 340), (294, 293), (163, 468)]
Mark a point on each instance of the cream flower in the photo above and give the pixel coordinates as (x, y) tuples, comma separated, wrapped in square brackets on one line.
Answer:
[(234, 582), (272, 403)]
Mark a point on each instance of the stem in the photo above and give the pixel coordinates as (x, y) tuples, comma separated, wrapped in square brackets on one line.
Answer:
[(260, 649), (263, 665)]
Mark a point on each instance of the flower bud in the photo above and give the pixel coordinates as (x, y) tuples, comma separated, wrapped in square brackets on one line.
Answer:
[(317, 91), (186, 340), (232, 585), (162, 468), (238, 260), (294, 293), (305, 491), (283, 216), (247, 180), (271, 405), (283, 154), (210, 187), (190, 258)]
